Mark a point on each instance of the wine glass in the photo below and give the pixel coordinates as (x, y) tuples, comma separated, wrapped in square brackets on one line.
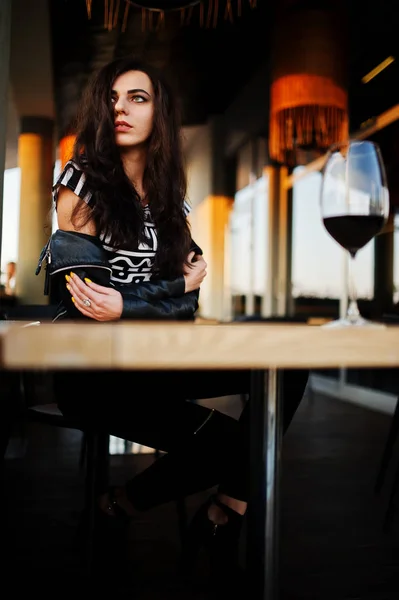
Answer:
[(354, 207)]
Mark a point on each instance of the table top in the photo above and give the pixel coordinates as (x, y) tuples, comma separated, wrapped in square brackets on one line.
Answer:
[(163, 345)]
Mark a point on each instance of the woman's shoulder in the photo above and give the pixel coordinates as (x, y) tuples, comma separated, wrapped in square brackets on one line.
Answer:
[(72, 177)]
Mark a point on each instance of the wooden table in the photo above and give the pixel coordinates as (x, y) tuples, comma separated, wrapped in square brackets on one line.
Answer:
[(263, 348)]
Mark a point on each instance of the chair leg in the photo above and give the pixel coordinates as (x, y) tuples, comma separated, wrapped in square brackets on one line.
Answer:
[(6, 426), (388, 449), (97, 472), (181, 517), (389, 514)]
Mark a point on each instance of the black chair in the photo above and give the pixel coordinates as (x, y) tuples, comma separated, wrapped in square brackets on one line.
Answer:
[(37, 405)]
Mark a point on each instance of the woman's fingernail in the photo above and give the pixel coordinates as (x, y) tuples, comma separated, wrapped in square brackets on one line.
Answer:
[(68, 287), (72, 274), (67, 277), (87, 280), (73, 300)]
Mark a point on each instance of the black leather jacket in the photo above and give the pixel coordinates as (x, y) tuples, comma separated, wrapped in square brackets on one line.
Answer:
[(84, 255)]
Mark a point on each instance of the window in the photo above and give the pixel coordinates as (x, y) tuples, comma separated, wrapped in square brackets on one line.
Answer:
[(249, 243), (318, 262)]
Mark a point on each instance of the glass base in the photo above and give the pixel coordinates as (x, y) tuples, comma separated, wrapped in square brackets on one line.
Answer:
[(358, 322)]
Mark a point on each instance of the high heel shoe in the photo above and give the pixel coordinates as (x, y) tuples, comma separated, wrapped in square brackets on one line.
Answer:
[(220, 542), (113, 508)]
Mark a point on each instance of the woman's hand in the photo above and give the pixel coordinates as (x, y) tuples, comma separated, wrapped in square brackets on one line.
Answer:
[(94, 301), (195, 272)]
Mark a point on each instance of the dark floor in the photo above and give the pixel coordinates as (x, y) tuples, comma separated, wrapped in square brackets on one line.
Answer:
[(332, 545)]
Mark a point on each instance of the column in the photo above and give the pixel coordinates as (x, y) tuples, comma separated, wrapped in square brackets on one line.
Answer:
[(35, 153), (211, 217), (5, 35)]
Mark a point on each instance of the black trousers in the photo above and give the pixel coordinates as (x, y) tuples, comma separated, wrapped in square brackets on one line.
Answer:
[(203, 446)]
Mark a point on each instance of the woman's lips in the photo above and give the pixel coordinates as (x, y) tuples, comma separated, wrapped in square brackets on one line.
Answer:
[(122, 128)]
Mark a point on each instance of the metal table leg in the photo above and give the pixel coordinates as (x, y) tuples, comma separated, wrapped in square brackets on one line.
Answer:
[(263, 509)]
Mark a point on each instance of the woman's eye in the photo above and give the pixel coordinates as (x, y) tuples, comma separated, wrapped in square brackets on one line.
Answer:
[(136, 99)]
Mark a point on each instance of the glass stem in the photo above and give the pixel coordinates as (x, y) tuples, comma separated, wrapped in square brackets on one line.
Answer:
[(353, 310)]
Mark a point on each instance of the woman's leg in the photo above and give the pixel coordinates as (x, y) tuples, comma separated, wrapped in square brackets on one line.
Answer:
[(218, 522), (199, 458), (218, 453), (148, 408), (204, 447)]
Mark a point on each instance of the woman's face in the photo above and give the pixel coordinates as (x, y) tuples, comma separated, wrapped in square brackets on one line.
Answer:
[(133, 101)]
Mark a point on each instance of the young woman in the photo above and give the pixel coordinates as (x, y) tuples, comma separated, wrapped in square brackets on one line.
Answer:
[(121, 203)]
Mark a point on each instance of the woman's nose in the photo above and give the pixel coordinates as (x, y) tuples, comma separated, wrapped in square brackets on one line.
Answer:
[(120, 106)]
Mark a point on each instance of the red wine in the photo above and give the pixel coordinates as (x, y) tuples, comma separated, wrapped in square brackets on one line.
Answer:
[(353, 232)]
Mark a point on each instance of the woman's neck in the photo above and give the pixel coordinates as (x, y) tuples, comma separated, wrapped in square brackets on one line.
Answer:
[(134, 161)]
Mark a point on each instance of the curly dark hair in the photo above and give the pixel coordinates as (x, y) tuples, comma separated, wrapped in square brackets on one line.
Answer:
[(116, 209)]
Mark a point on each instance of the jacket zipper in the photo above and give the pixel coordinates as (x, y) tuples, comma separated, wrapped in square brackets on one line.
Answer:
[(78, 267), (46, 256)]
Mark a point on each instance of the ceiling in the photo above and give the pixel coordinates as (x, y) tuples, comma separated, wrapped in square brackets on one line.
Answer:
[(372, 38), (208, 66)]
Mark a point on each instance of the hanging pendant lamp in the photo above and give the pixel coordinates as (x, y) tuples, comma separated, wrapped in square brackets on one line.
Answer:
[(308, 95)]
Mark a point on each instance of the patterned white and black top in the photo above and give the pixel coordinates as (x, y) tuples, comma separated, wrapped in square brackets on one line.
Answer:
[(128, 266)]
